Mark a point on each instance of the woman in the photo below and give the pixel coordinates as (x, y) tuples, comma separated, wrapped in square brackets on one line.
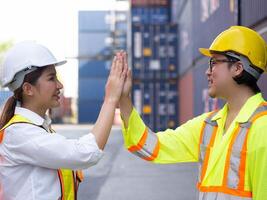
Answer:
[(32, 156)]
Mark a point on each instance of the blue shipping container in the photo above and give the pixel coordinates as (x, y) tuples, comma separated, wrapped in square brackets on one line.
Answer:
[(150, 15), (94, 69), (88, 110), (157, 102), (93, 21), (4, 95), (92, 88), (92, 44)]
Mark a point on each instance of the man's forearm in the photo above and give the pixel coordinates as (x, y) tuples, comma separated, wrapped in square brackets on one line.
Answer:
[(126, 108)]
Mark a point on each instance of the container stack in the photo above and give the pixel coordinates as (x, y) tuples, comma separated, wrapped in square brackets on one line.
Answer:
[(199, 23), (101, 34), (154, 50)]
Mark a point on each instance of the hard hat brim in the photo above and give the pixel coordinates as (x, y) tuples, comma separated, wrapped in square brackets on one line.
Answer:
[(61, 62), (205, 52)]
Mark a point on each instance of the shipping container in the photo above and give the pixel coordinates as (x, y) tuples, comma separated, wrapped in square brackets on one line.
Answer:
[(157, 102), (252, 12), (211, 17), (150, 3), (93, 21), (150, 15), (172, 51), (261, 28), (185, 38), (186, 97), (94, 69), (4, 95), (166, 104), (88, 110), (101, 33), (155, 51), (92, 44), (92, 88), (177, 6)]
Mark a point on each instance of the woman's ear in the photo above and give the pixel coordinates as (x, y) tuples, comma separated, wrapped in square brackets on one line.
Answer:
[(237, 69), (27, 89)]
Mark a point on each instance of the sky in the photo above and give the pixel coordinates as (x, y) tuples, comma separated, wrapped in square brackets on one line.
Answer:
[(53, 23)]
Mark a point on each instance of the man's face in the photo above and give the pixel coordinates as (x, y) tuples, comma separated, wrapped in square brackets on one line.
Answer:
[(219, 76)]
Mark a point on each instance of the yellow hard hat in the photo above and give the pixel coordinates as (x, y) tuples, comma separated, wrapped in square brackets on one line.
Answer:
[(243, 41)]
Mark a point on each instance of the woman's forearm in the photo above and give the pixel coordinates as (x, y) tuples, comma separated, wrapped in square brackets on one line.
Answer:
[(104, 122)]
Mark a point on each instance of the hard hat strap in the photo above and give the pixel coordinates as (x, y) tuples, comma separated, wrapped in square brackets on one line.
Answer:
[(246, 64), (250, 69), (19, 77)]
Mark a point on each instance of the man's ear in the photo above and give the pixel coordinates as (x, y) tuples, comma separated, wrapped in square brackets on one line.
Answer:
[(237, 69), (27, 89)]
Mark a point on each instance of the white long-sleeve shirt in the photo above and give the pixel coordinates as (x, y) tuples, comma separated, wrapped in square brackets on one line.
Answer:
[(30, 157)]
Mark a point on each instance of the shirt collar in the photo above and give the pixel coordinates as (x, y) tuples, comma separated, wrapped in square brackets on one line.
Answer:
[(32, 116), (246, 111)]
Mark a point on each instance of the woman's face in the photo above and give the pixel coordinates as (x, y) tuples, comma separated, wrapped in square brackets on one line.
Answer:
[(47, 89)]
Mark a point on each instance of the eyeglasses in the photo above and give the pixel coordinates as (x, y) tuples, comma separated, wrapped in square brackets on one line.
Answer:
[(214, 61)]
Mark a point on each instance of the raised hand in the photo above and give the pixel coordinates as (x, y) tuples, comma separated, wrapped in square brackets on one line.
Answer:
[(128, 81), (125, 100), (116, 79)]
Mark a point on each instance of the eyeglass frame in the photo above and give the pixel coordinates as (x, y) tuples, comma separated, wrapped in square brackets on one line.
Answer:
[(227, 60)]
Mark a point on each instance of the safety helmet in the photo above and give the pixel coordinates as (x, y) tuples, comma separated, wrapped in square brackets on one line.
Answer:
[(24, 58), (243, 41)]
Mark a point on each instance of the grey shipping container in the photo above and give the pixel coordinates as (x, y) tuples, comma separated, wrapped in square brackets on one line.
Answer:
[(186, 38), (252, 12), (211, 17)]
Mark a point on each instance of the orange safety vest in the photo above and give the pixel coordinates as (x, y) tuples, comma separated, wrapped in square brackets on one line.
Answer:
[(235, 165), (69, 180)]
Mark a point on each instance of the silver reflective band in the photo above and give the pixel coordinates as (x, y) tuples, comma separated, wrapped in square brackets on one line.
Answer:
[(220, 196), (19, 77), (147, 151)]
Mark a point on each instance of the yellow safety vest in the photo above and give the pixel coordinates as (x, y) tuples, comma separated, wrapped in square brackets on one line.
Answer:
[(193, 142), (69, 180), (235, 165)]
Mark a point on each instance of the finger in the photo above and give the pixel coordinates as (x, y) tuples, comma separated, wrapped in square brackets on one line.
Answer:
[(124, 72), (126, 57), (113, 65), (129, 74), (120, 65)]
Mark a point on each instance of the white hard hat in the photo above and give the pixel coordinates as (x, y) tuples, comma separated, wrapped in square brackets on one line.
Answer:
[(24, 58)]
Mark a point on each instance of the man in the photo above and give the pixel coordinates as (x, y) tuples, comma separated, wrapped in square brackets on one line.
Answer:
[(230, 144)]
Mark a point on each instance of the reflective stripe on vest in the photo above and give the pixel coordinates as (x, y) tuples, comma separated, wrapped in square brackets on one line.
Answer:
[(68, 183), (234, 172), (148, 146)]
